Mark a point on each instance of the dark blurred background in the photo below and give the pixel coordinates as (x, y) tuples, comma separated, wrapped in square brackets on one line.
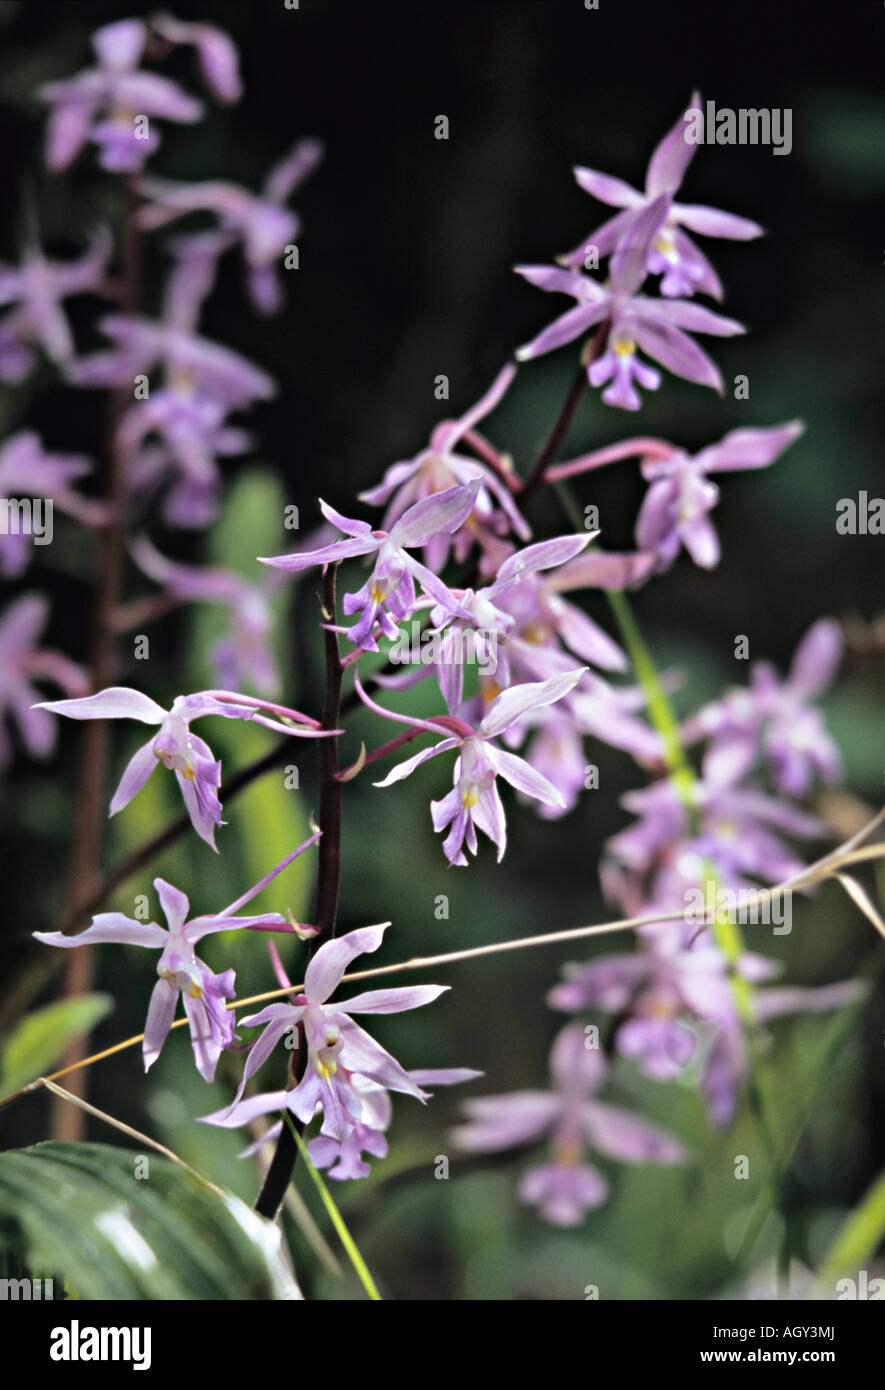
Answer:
[(406, 256)]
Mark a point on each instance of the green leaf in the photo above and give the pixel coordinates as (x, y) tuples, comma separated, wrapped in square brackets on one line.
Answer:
[(42, 1037), (859, 1238), (112, 1223)]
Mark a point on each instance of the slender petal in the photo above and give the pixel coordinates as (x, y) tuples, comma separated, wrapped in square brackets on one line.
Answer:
[(392, 1001), (511, 704), (117, 702), (523, 777), (137, 772), (161, 1012), (332, 959), (444, 511), (109, 927)]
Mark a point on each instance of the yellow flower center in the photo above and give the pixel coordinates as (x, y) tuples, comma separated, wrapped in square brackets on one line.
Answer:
[(666, 244), (568, 1152)]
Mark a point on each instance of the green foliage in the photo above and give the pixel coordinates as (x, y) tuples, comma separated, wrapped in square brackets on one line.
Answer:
[(860, 1237), (41, 1037), (112, 1223)]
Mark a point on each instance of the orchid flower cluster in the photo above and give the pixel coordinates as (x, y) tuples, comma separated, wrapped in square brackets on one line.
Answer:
[(525, 683)]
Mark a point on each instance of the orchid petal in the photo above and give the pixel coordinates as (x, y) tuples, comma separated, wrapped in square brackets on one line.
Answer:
[(392, 1001), (711, 222), (405, 769), (332, 959), (326, 555), (161, 1012), (564, 329), (541, 556), (443, 511), (117, 702), (524, 777), (174, 904), (110, 927), (135, 775), (511, 704), (247, 1110), (619, 1134), (628, 262), (671, 158), (607, 189)]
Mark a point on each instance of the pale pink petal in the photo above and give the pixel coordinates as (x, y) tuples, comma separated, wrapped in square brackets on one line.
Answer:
[(117, 702), (110, 927), (331, 960), (392, 1001), (161, 1012)]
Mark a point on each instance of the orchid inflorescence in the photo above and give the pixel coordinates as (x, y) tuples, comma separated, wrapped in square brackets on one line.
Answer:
[(448, 542)]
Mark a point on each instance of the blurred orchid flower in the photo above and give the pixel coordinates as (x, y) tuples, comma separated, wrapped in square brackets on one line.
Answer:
[(22, 661), (105, 103), (575, 1120), (37, 288)]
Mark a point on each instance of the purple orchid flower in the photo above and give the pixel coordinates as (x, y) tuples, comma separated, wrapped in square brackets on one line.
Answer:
[(388, 596), (100, 104), (657, 326), (672, 254), (676, 509), (658, 987), (474, 802), (261, 222), (570, 1114), (187, 413), (176, 747), (244, 655), (191, 433), (666, 989), (21, 662), (339, 1050), (774, 716), (440, 467), (38, 288), (343, 1157), (139, 345), (181, 972), (28, 470), (738, 831), (216, 53)]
